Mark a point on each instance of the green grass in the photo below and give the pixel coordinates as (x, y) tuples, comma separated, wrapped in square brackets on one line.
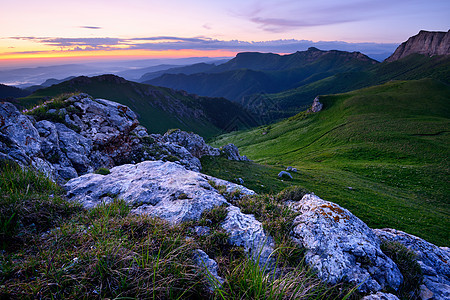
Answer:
[(381, 152)]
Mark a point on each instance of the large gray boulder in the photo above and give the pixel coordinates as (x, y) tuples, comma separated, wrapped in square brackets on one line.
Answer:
[(340, 247), (161, 189), (173, 193), (434, 261)]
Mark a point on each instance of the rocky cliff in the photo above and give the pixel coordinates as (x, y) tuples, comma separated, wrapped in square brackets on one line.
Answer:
[(428, 43), (158, 175)]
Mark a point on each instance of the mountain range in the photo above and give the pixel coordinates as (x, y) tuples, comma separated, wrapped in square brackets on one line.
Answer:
[(158, 108), (249, 73)]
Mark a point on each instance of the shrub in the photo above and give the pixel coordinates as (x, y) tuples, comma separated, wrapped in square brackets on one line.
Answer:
[(294, 193), (102, 171)]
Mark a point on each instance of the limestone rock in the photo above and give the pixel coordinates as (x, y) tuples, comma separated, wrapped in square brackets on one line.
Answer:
[(19, 129), (425, 42), (316, 105), (434, 261), (193, 143), (244, 230), (232, 153), (173, 193), (285, 174), (339, 246), (381, 296), (152, 187), (211, 269)]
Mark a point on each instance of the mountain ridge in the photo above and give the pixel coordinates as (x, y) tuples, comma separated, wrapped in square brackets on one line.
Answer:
[(252, 72), (428, 43)]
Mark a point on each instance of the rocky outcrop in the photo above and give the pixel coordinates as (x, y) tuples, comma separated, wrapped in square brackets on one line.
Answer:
[(82, 134), (316, 106), (161, 189), (339, 246), (196, 145), (193, 143), (434, 262), (173, 193), (428, 43), (231, 152)]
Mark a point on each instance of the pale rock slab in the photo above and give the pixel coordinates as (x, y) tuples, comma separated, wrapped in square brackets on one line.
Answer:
[(340, 247)]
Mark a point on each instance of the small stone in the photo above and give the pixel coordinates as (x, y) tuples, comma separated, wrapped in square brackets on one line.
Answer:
[(284, 174)]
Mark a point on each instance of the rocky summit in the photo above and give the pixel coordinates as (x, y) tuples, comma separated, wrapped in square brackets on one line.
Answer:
[(428, 43), (159, 175)]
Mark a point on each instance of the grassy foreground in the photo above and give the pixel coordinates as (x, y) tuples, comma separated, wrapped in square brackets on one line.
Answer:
[(381, 152), (54, 249)]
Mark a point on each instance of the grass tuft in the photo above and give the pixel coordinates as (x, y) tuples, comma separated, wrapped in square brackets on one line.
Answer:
[(406, 260)]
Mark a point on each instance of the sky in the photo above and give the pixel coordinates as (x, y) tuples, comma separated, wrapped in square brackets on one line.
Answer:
[(33, 30)]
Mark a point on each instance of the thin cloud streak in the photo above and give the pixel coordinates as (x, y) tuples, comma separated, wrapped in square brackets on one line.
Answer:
[(91, 27)]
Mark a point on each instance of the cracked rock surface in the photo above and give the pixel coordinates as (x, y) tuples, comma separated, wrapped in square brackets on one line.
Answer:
[(339, 246)]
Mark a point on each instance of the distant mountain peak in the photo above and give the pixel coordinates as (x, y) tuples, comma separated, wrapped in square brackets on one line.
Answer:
[(428, 43)]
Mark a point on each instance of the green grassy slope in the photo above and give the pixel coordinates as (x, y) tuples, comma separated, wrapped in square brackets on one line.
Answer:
[(159, 109), (389, 143), (289, 102)]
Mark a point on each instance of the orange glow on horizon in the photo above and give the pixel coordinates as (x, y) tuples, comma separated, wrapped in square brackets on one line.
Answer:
[(115, 54)]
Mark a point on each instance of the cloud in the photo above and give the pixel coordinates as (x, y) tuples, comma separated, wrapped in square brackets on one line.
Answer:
[(69, 43), (303, 14), (162, 43), (280, 25), (91, 27)]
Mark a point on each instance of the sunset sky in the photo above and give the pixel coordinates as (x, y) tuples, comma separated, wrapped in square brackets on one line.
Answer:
[(31, 29)]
